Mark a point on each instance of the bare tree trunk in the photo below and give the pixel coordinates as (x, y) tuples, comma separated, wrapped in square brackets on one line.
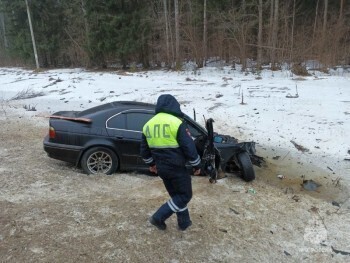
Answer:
[(3, 27), (341, 11), (259, 56), (292, 39), (32, 34), (324, 31), (325, 13), (269, 42), (3, 30), (274, 35), (87, 30), (315, 24), (171, 37), (244, 6), (86, 23), (166, 31), (205, 33), (338, 33), (189, 4), (177, 34), (243, 50)]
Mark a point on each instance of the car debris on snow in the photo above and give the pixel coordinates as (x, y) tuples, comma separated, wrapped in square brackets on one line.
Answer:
[(300, 147)]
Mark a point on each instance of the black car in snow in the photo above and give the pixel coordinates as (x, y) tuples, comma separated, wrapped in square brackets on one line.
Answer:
[(107, 138)]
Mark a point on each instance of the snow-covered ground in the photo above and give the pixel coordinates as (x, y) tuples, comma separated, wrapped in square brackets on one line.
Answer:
[(52, 210), (271, 114)]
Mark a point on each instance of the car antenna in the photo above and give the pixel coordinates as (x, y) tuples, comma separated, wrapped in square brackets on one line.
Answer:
[(205, 121), (194, 114)]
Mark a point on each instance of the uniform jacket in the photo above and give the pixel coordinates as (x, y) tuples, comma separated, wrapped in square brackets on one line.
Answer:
[(173, 145)]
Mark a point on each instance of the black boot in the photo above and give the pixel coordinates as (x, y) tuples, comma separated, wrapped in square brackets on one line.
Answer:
[(183, 220), (158, 224), (159, 217)]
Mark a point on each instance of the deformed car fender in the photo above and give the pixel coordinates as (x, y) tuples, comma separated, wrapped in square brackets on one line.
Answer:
[(227, 152)]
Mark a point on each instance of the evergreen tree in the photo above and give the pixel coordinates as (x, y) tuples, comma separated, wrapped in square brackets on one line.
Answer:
[(101, 32), (17, 29), (48, 23), (119, 29)]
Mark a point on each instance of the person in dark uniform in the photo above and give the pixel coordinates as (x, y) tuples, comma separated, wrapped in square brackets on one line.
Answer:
[(166, 147)]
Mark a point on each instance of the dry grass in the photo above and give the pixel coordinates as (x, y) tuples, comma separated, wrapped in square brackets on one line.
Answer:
[(299, 70), (27, 94)]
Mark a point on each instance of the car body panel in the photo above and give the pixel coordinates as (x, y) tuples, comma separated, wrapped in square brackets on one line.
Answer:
[(118, 126), (63, 152)]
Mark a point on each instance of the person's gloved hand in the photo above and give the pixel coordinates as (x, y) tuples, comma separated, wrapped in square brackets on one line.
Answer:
[(153, 169), (197, 171)]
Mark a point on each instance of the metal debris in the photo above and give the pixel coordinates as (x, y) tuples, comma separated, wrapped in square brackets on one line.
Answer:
[(299, 147), (329, 168), (234, 211), (344, 253), (335, 203)]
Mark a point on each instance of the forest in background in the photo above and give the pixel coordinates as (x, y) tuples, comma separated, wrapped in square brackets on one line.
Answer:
[(158, 33)]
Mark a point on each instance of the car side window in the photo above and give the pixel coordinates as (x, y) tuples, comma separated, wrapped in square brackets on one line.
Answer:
[(136, 120), (117, 122), (195, 132)]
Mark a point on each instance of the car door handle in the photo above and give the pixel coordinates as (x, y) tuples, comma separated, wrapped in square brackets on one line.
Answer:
[(119, 137)]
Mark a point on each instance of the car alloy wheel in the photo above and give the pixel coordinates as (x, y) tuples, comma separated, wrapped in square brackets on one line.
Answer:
[(99, 160)]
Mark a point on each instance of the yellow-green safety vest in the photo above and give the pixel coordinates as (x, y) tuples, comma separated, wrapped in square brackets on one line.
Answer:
[(161, 131)]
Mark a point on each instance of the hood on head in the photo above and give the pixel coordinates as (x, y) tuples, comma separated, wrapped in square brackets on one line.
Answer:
[(168, 104)]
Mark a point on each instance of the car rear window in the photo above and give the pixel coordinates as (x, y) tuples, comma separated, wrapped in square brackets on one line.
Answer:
[(136, 120)]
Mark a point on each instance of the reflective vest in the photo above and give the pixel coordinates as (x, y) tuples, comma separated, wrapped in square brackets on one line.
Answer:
[(161, 131)]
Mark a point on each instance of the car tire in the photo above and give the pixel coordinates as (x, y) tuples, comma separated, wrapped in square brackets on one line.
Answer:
[(99, 160), (246, 167)]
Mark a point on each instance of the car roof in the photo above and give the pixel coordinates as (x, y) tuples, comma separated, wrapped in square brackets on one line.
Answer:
[(117, 106)]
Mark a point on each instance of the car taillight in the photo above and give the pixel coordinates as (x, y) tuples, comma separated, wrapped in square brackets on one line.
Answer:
[(52, 133)]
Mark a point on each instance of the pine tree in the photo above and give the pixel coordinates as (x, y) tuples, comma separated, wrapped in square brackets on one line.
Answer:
[(119, 30)]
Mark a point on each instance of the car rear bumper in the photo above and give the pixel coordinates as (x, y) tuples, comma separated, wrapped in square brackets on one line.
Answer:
[(63, 152)]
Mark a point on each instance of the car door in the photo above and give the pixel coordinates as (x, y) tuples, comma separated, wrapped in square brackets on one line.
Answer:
[(126, 130), (198, 134)]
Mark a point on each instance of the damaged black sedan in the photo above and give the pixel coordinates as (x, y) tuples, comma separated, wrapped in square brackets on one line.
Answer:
[(107, 138)]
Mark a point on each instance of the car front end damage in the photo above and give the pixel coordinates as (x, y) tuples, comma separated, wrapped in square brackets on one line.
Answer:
[(229, 152), (223, 153)]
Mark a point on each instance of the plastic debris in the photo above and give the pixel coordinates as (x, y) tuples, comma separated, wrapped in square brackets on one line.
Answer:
[(281, 176), (335, 203), (296, 198), (310, 185), (251, 191)]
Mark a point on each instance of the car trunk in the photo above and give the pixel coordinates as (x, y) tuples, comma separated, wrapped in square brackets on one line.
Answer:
[(66, 127)]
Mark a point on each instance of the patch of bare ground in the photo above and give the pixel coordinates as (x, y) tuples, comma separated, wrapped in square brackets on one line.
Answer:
[(52, 212)]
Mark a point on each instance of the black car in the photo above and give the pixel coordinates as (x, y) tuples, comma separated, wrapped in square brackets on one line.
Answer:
[(107, 138)]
